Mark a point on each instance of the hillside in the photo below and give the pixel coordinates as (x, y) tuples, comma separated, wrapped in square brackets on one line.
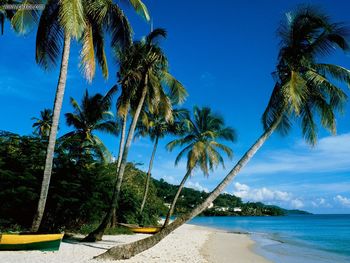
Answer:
[(224, 205)]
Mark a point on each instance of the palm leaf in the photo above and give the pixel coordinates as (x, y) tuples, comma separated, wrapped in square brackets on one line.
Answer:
[(49, 37), (25, 19), (140, 8), (71, 17), (178, 92), (87, 54)]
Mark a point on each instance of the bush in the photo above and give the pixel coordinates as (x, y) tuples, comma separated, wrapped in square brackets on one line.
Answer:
[(80, 189)]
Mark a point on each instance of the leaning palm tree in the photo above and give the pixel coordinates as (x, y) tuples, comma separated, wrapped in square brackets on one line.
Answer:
[(155, 126), (60, 22), (304, 88), (146, 72), (43, 124), (201, 145), (92, 115)]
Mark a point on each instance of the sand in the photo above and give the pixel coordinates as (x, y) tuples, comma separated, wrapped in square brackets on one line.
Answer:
[(189, 244), (223, 247)]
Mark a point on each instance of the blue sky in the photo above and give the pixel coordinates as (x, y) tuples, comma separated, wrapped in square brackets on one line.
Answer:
[(224, 54)]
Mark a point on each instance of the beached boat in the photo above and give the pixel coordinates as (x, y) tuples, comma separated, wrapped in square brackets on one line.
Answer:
[(46, 242), (142, 229)]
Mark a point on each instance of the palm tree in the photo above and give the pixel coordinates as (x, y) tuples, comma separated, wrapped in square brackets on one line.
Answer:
[(6, 14), (145, 75), (304, 88), (155, 126), (60, 22), (92, 115), (43, 124), (201, 146)]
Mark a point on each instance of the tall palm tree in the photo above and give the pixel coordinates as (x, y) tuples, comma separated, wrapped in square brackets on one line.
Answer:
[(304, 88), (59, 23), (92, 115), (201, 145), (145, 74), (155, 126), (43, 124)]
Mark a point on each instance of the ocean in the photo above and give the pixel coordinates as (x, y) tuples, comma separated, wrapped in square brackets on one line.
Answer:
[(290, 239)]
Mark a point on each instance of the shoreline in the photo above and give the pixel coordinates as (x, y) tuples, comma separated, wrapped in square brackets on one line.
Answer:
[(189, 243), (224, 246)]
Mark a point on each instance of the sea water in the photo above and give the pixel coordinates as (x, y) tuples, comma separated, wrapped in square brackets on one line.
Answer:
[(289, 239)]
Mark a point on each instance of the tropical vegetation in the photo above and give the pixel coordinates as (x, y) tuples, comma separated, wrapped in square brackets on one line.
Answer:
[(145, 67), (200, 143), (92, 115), (79, 186), (59, 23), (156, 126), (304, 87), (81, 192), (42, 125)]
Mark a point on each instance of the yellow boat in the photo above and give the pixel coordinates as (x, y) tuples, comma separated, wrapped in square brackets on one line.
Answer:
[(142, 230), (46, 242)]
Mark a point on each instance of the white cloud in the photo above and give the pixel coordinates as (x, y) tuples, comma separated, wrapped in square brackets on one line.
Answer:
[(297, 203), (196, 186), (344, 201), (320, 202), (259, 194), (330, 155), (266, 195)]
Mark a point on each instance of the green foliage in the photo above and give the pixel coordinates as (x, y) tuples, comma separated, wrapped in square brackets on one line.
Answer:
[(88, 228), (21, 163), (80, 189), (92, 115), (201, 140), (42, 125), (144, 65), (131, 198), (222, 206), (305, 88)]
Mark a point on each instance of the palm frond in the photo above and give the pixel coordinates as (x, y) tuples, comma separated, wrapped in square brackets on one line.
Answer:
[(140, 8), (178, 92), (71, 17), (25, 19), (119, 27), (49, 37), (87, 54), (156, 34), (224, 148), (99, 45), (182, 153), (337, 72), (308, 126), (110, 127)]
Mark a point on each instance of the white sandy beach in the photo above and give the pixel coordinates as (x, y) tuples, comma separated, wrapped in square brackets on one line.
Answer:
[(189, 244)]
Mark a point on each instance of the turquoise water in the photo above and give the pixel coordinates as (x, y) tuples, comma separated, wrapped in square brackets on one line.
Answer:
[(287, 239)]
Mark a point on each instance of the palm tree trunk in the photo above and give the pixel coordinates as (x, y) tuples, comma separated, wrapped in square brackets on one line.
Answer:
[(120, 154), (172, 207), (145, 192), (98, 233), (53, 134), (129, 250), (121, 144)]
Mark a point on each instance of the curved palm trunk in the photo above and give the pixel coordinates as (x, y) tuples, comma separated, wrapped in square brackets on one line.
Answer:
[(172, 207), (120, 154), (53, 134), (98, 233), (145, 192), (129, 250)]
